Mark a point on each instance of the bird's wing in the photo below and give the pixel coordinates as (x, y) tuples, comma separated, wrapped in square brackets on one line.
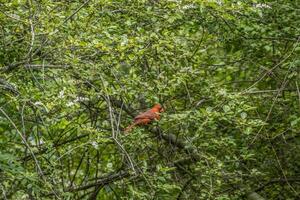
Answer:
[(146, 115)]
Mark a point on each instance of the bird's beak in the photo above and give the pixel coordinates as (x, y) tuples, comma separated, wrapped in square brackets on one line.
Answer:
[(162, 110)]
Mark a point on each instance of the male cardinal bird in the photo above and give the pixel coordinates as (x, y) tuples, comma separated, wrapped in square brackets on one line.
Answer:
[(146, 117)]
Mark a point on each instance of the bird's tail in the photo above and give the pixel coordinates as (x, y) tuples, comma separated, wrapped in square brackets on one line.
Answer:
[(129, 128)]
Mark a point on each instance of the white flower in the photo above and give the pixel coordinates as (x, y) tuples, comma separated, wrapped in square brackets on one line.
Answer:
[(38, 103), (61, 94), (78, 99), (81, 99), (188, 6), (262, 5), (124, 40), (109, 165), (70, 103), (95, 144)]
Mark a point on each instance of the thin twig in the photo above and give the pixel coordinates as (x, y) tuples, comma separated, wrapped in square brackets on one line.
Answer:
[(268, 91), (29, 54), (298, 91), (273, 68), (273, 104), (30, 150), (112, 119), (76, 11)]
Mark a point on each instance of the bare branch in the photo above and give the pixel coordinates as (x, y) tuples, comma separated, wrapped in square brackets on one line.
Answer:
[(104, 180)]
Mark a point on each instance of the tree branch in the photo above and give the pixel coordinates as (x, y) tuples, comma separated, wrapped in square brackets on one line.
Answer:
[(104, 180)]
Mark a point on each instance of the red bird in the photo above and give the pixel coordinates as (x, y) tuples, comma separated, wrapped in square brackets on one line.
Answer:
[(146, 117)]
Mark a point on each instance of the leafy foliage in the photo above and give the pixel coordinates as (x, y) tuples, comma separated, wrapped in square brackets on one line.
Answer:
[(74, 74)]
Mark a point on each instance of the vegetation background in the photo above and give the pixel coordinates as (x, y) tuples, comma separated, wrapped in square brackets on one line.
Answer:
[(75, 73)]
